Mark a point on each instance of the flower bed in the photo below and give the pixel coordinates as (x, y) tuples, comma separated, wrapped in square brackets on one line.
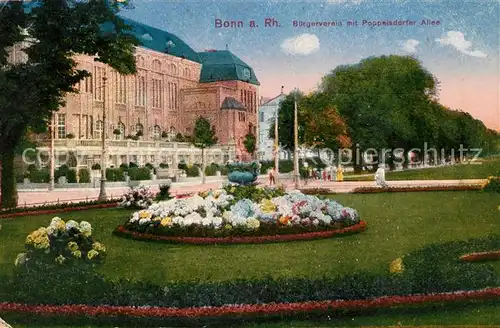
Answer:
[(123, 232), (249, 309), (228, 216), (59, 208), (369, 190), (481, 256)]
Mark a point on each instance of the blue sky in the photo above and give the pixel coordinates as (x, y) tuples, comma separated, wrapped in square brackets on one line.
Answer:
[(465, 46)]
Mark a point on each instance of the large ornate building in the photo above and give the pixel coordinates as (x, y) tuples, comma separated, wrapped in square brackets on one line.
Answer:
[(173, 86)]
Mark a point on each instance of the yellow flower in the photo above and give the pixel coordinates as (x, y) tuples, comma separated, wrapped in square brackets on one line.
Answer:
[(396, 266), (72, 246), (91, 254), (166, 221), (253, 223), (233, 189), (228, 227), (267, 206), (144, 214), (499, 207), (77, 254), (98, 247)]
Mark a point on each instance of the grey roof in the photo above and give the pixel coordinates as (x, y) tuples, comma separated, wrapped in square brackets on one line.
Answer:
[(275, 101), (231, 103)]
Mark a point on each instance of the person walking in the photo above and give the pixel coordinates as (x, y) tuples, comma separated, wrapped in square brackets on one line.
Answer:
[(272, 179), (340, 174)]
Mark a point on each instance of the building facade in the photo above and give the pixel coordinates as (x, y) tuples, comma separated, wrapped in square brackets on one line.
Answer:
[(267, 115), (174, 85)]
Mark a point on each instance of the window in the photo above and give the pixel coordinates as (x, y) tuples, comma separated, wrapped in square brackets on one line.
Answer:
[(140, 61), (261, 115), (140, 90), (61, 126), (172, 96), (173, 69), (121, 128), (187, 72), (241, 116), (157, 93), (156, 132), (98, 130), (120, 89), (86, 85), (156, 65), (139, 128), (99, 74)]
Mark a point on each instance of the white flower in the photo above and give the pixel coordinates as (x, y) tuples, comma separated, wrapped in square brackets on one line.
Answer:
[(86, 228), (72, 224), (144, 221), (315, 222), (20, 259)]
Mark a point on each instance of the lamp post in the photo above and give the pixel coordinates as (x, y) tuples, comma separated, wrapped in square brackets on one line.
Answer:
[(296, 145), (52, 155), (102, 191), (276, 148)]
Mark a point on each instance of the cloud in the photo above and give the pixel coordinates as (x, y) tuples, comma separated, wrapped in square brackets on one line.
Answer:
[(457, 40), (303, 44), (410, 45)]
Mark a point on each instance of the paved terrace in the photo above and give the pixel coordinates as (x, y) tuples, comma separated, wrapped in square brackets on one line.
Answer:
[(41, 196)]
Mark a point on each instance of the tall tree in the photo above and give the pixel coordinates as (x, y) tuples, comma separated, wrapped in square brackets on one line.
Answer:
[(203, 137), (51, 32), (250, 143)]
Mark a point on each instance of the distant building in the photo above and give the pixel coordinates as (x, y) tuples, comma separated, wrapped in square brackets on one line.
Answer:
[(174, 85), (267, 114)]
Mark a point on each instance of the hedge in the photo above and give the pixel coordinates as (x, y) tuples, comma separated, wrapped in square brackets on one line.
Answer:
[(139, 173), (84, 175), (433, 269)]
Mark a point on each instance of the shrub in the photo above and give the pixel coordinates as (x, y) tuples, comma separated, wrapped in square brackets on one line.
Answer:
[(163, 166), (32, 167), (71, 176), (164, 193), (115, 174), (132, 164), (62, 171), (211, 169), (40, 176), (493, 184), (137, 174), (164, 134), (124, 166), (193, 171), (182, 166), (179, 137), (20, 178), (84, 175), (96, 166), (149, 166), (61, 243), (223, 170)]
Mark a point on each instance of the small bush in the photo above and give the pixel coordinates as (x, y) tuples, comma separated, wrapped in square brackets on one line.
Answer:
[(137, 174), (96, 166), (149, 166), (193, 171), (115, 174), (211, 169), (164, 193), (124, 166), (493, 184), (40, 176), (71, 176), (32, 167), (163, 166), (62, 171), (182, 166), (84, 175), (132, 164)]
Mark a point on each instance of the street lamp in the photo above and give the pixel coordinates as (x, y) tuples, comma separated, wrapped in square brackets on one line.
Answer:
[(102, 191), (296, 145), (52, 155)]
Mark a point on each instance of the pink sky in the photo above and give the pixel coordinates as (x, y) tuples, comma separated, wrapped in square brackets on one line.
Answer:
[(478, 95)]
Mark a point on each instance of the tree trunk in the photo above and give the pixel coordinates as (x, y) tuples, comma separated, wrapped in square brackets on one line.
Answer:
[(203, 166), (8, 185)]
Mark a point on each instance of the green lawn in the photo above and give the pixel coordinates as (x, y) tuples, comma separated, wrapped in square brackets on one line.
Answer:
[(397, 223), (486, 168)]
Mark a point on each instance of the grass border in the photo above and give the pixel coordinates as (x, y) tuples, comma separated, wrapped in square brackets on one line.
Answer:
[(121, 231), (250, 309), (33, 212)]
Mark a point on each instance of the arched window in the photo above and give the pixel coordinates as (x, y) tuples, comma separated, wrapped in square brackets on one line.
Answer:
[(173, 69), (156, 133), (139, 130), (98, 130), (187, 72), (156, 65), (121, 128), (140, 61)]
